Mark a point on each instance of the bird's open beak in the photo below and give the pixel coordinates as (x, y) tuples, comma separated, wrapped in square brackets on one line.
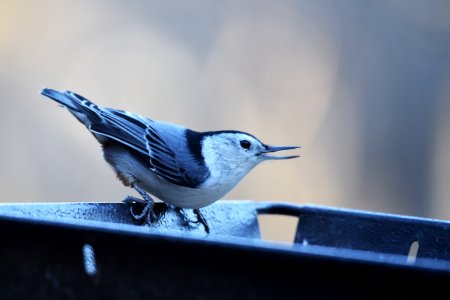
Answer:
[(271, 149)]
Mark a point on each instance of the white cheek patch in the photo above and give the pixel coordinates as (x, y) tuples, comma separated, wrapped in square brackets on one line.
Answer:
[(226, 166), (212, 157)]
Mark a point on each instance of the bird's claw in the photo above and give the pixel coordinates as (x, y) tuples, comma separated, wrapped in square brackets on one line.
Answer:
[(133, 200), (147, 209), (201, 219)]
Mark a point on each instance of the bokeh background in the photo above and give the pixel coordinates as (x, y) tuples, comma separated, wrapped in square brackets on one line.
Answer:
[(363, 86)]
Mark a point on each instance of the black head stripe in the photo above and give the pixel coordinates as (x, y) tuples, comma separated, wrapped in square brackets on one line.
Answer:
[(194, 141)]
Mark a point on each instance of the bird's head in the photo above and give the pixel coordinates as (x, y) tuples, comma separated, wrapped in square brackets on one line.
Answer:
[(235, 153)]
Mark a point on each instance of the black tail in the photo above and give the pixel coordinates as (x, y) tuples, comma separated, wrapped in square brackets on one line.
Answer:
[(83, 109), (104, 123)]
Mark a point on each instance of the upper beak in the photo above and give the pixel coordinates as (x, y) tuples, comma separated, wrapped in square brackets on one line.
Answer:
[(270, 149)]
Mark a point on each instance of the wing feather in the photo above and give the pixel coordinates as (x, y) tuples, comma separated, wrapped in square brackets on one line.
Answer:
[(138, 133)]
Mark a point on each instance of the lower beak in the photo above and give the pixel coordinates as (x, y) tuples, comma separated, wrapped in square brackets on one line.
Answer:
[(271, 149)]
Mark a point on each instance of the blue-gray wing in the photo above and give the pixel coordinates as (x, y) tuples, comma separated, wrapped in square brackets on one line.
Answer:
[(139, 134)]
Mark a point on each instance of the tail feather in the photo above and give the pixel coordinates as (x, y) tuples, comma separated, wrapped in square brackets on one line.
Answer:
[(83, 109), (59, 97), (106, 124)]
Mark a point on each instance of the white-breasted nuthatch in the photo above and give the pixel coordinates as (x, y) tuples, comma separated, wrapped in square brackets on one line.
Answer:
[(182, 167)]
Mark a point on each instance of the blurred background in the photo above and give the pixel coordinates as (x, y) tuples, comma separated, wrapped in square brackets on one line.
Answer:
[(363, 86)]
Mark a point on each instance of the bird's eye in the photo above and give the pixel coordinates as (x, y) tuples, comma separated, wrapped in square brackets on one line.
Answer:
[(245, 144)]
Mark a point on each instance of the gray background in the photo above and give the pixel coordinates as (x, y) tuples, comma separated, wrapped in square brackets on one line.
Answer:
[(363, 86)]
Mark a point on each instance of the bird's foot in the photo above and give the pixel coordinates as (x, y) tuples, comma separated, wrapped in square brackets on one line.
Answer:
[(130, 200), (147, 206), (200, 218), (145, 209)]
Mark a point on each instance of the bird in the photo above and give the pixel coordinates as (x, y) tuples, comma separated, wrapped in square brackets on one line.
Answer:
[(184, 168)]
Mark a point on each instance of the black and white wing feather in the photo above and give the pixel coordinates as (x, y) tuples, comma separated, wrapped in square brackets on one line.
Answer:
[(132, 130)]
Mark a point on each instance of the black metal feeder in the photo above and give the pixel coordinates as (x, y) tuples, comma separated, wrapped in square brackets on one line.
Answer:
[(96, 251)]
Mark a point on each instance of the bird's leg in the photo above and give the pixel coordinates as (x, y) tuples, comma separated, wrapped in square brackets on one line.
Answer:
[(133, 200), (148, 204), (201, 219)]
